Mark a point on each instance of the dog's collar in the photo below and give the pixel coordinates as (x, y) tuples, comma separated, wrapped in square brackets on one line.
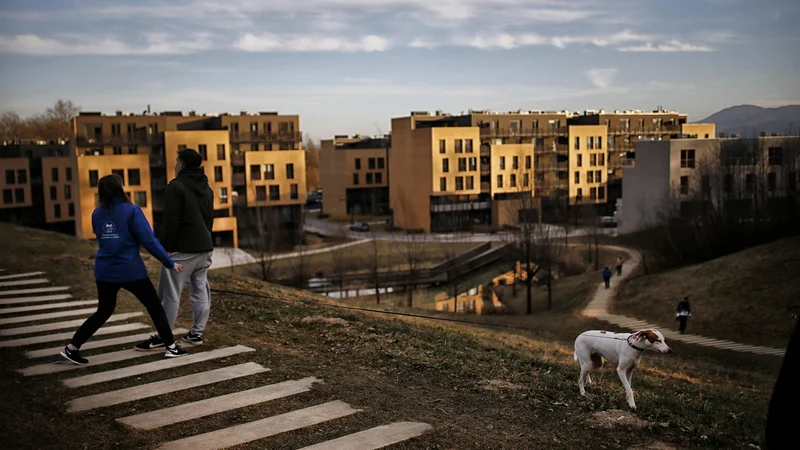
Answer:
[(635, 347)]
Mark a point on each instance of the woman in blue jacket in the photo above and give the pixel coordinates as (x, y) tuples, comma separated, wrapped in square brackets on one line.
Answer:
[(121, 228)]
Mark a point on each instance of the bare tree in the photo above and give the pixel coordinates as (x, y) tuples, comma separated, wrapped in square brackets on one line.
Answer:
[(301, 268), (340, 260), (312, 165), (549, 248), (11, 127), (268, 237), (453, 267), (374, 261), (413, 247)]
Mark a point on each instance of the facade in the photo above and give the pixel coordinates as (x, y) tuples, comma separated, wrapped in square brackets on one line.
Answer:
[(355, 174), (16, 184)]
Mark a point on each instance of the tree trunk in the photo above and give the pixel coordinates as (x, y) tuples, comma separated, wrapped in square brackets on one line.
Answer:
[(596, 253), (377, 288), (529, 287), (549, 291)]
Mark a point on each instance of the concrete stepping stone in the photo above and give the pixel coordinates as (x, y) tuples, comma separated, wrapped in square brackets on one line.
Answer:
[(33, 291), (62, 325), (141, 369), (21, 275), (20, 309), (251, 431), (98, 344), (41, 298), (68, 335), (214, 405), (96, 360), (374, 438), (23, 282), (53, 315), (164, 387)]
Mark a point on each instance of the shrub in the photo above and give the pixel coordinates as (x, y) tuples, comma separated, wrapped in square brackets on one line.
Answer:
[(571, 263)]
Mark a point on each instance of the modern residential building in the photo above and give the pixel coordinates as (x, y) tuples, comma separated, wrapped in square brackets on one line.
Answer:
[(16, 184), (355, 175)]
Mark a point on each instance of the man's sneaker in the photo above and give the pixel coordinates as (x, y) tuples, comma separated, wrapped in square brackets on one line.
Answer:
[(153, 343), (175, 352), (194, 339), (73, 356)]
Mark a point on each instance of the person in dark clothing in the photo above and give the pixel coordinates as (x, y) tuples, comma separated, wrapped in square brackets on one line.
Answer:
[(783, 415), (121, 228), (607, 277), (682, 316), (620, 261), (188, 220)]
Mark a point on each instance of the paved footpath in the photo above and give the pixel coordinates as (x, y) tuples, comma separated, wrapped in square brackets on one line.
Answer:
[(598, 308), (120, 351)]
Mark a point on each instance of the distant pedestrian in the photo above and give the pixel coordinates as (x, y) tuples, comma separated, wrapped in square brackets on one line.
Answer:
[(619, 266), (607, 277), (684, 311)]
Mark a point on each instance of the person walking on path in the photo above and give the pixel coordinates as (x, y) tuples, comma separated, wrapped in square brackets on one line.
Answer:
[(188, 219), (121, 228), (684, 311), (607, 277), (619, 266)]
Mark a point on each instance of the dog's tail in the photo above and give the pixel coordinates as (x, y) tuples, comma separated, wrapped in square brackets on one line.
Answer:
[(575, 356)]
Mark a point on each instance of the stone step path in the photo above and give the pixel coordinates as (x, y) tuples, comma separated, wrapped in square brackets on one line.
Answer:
[(94, 361), (53, 315), (141, 369), (20, 275), (20, 309), (601, 303), (214, 405), (23, 282), (4, 293), (42, 298), (263, 428), (92, 344), (374, 438), (68, 335), (164, 387), (61, 325)]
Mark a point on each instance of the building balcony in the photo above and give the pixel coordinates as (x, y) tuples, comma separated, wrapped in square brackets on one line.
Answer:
[(286, 136), (488, 132), (646, 130), (116, 140)]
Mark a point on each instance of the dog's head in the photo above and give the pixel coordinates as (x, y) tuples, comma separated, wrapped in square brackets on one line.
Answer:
[(651, 340)]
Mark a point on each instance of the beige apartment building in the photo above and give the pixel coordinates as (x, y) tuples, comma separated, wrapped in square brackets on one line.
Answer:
[(355, 174)]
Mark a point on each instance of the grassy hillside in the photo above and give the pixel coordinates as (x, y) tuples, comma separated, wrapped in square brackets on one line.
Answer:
[(741, 297), (479, 388)]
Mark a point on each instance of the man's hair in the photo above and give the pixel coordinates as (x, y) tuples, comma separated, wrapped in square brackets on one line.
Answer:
[(190, 158)]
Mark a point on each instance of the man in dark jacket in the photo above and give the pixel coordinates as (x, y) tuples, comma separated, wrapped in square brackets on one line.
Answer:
[(188, 218)]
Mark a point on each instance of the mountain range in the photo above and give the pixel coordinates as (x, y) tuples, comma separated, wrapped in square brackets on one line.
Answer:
[(751, 120)]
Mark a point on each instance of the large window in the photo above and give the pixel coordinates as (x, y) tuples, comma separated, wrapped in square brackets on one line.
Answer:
[(290, 171), (203, 150), (577, 177), (269, 171), (11, 177), (473, 164), (593, 194), (134, 178), (528, 162), (71, 210), (468, 145), (598, 176), (601, 192), (255, 172), (446, 165), (8, 196), (355, 178), (221, 152), (526, 181), (54, 174), (22, 176), (687, 159), (369, 178), (274, 192), (459, 183), (381, 163), (57, 211), (293, 193), (580, 161), (515, 162), (371, 163), (502, 163), (593, 160), (443, 184), (67, 192), (223, 195), (378, 177), (358, 163), (513, 180), (93, 178), (462, 164), (499, 181), (775, 156), (218, 174), (577, 143), (140, 199), (19, 195), (261, 193), (459, 146), (601, 159), (470, 183), (590, 177), (53, 193), (68, 173), (442, 146)]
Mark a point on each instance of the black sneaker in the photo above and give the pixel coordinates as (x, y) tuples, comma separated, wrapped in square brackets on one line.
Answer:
[(194, 339), (175, 351), (153, 343), (74, 356)]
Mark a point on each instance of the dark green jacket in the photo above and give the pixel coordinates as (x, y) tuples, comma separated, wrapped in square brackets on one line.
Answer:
[(188, 213)]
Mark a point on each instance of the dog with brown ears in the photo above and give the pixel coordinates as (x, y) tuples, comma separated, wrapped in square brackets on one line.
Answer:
[(624, 350)]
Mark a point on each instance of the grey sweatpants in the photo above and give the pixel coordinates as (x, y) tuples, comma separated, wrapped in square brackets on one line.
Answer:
[(170, 286)]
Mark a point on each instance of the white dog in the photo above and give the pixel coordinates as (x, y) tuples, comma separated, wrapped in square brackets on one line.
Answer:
[(624, 350)]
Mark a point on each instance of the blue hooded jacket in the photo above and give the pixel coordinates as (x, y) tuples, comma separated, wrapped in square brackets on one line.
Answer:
[(120, 231), (606, 273)]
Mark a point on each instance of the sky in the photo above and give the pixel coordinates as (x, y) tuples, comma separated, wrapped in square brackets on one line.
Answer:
[(349, 66)]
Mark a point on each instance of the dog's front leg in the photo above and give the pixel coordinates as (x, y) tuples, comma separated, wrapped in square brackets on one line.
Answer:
[(623, 377)]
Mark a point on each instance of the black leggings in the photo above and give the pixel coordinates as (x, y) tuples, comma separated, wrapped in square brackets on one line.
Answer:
[(143, 290)]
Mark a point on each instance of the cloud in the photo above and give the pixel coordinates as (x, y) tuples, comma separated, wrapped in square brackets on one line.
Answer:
[(669, 46), (154, 44), (423, 43), (309, 43), (500, 41), (602, 78)]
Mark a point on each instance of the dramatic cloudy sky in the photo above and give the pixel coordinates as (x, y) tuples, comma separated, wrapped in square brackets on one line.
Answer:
[(347, 66)]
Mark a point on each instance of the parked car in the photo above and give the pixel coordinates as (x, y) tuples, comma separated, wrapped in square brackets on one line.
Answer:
[(359, 226), (608, 222)]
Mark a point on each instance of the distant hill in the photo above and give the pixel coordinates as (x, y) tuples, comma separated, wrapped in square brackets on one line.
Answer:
[(749, 120)]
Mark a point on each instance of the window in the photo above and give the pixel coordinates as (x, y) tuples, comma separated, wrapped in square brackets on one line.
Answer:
[(514, 127), (442, 146), (684, 185), (528, 162), (358, 163), (57, 211), (378, 177), (459, 183), (641, 124), (274, 192), (218, 174), (261, 193), (601, 192), (223, 195), (470, 183), (593, 194), (535, 125), (598, 176), (502, 163), (526, 181), (601, 159), (254, 147), (8, 196), (221, 152), (116, 129), (293, 192), (134, 178), (687, 159), (140, 199), (775, 156), (749, 182), (355, 178), (462, 164), (10, 177), (290, 171), (71, 210), (705, 184), (772, 181), (93, 178), (19, 195), (459, 146), (255, 172), (443, 184), (593, 160), (499, 181), (121, 173), (369, 177), (117, 150), (580, 160), (579, 194), (590, 177), (515, 162), (577, 177), (446, 165), (371, 163), (254, 127), (468, 145), (590, 142), (68, 173), (269, 171), (600, 144), (282, 146), (67, 192), (381, 163), (473, 164), (625, 124), (22, 176), (203, 150), (577, 143), (53, 193), (513, 181)]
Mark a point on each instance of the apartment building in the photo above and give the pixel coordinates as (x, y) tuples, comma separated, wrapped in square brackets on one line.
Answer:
[(16, 184), (354, 172), (680, 173), (60, 189)]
